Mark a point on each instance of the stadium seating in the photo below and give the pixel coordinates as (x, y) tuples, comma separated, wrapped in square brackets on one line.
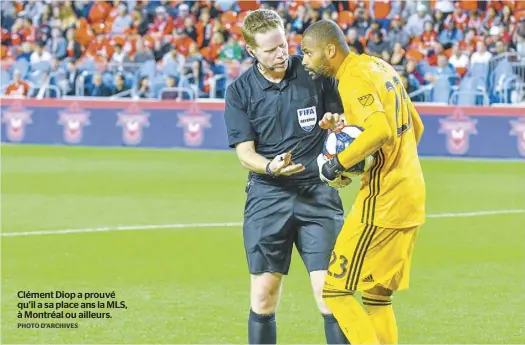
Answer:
[(206, 61)]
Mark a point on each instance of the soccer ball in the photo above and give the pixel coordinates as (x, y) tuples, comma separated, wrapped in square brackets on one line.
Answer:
[(339, 140)]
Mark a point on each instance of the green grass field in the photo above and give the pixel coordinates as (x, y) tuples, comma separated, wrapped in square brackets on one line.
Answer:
[(190, 284)]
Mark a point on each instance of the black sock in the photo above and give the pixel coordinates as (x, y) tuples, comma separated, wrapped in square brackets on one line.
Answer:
[(262, 328), (334, 334)]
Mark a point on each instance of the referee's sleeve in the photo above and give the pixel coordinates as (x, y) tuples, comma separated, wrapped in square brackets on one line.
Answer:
[(236, 117)]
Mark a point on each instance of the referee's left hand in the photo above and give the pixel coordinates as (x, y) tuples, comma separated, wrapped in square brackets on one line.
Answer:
[(283, 165)]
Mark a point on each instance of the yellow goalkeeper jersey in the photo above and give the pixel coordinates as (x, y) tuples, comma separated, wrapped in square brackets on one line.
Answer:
[(392, 192)]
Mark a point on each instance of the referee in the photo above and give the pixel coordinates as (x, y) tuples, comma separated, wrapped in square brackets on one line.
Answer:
[(272, 114)]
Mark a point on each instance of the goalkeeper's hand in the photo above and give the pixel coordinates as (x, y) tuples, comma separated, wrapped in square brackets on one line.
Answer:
[(330, 172), (332, 121)]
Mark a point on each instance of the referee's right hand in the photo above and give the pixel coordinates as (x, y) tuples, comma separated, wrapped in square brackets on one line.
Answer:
[(282, 165)]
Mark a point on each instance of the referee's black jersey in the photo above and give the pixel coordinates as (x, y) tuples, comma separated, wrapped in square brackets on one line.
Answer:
[(277, 116)]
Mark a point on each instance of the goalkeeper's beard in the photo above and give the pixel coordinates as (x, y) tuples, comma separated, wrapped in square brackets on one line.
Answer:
[(323, 70)]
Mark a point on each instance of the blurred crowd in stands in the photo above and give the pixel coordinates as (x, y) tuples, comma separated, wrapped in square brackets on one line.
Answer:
[(193, 49)]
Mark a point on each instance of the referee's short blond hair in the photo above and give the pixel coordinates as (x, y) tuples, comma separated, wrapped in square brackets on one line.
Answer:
[(259, 22)]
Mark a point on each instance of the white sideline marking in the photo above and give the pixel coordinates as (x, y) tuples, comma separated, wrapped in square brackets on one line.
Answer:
[(218, 225)]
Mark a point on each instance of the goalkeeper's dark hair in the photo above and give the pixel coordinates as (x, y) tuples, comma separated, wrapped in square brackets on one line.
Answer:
[(326, 31)]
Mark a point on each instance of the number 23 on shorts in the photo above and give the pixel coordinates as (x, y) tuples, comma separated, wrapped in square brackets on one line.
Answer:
[(338, 266)]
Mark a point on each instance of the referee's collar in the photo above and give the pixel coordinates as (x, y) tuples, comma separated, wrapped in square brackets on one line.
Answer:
[(264, 83), (344, 65)]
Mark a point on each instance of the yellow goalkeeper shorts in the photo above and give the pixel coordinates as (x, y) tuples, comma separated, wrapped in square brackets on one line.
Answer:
[(365, 256)]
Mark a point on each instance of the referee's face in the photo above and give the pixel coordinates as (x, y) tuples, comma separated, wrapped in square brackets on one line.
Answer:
[(272, 50)]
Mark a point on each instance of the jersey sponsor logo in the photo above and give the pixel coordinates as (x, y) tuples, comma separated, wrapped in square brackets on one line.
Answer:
[(193, 122), (16, 118), (307, 118), (366, 100), (518, 129), (458, 129), (73, 120), (132, 121)]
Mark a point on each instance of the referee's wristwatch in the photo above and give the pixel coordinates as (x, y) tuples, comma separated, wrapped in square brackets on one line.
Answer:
[(269, 171)]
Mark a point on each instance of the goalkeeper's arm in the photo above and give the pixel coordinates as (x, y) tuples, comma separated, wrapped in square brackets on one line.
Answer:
[(416, 122), (377, 132)]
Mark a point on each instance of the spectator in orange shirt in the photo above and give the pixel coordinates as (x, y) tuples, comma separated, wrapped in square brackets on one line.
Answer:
[(18, 32), (428, 37), (204, 29), (379, 11), (18, 87), (101, 46), (99, 11)]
